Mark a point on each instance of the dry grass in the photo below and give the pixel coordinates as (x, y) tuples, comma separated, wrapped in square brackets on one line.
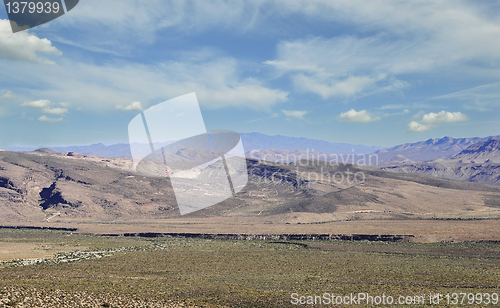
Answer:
[(9, 250)]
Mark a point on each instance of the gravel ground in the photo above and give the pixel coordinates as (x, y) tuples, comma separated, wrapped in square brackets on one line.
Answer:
[(31, 297)]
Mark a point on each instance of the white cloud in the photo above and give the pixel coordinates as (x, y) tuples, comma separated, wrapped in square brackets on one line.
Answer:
[(441, 25), (425, 30), (43, 103), (65, 105), (46, 119), (432, 119), (56, 111), (24, 46), (218, 83), (337, 67), (134, 106), (299, 114), (414, 126), (405, 111), (391, 106), (480, 98), (7, 95), (139, 21), (354, 116), (443, 117), (249, 95), (403, 38), (330, 87)]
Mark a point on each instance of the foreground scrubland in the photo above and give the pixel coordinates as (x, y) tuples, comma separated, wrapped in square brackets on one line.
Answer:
[(96, 271)]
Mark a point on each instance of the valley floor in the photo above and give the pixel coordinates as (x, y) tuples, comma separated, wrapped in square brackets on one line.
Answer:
[(176, 272), (422, 231)]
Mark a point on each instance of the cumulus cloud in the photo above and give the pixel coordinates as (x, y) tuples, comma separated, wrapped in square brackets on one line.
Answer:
[(299, 114), (56, 111), (354, 116), (45, 107), (415, 126), (134, 106), (24, 46), (432, 119), (443, 117), (43, 103), (46, 119)]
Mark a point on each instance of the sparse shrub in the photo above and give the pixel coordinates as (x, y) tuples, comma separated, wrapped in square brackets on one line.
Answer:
[(12, 303)]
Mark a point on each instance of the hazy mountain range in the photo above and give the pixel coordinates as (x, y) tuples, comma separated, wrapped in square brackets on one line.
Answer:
[(470, 159), (419, 151)]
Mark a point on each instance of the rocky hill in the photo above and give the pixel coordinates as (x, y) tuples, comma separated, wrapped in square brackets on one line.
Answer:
[(481, 152), (479, 162)]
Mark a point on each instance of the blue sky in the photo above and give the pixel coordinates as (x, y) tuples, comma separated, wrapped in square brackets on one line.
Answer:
[(364, 72)]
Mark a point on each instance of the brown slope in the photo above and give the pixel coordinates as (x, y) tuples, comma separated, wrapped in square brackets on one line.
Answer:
[(383, 195), (84, 188)]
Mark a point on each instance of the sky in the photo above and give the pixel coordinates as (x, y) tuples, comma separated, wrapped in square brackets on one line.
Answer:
[(362, 72)]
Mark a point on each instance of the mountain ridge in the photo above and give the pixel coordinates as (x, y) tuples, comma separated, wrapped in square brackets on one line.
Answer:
[(480, 162), (430, 149)]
